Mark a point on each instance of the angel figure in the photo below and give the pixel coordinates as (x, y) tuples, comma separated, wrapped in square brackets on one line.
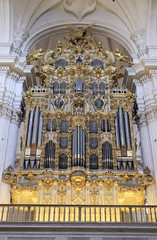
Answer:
[(38, 54), (59, 46), (120, 55)]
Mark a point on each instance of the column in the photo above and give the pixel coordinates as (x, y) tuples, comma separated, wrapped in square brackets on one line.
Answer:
[(10, 100), (147, 129), (147, 158)]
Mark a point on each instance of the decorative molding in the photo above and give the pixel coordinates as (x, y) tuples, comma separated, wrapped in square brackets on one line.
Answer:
[(153, 71), (151, 113), (10, 113), (22, 79), (10, 100), (5, 69), (79, 8), (141, 118)]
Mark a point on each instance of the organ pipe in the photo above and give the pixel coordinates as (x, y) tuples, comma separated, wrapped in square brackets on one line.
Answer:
[(84, 147), (78, 141), (127, 130), (26, 163), (107, 155), (32, 162), (35, 125), (117, 131), (30, 128), (81, 147), (121, 125), (78, 147), (74, 147), (40, 129)]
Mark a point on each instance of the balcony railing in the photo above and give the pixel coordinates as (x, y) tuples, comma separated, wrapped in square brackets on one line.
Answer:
[(74, 213)]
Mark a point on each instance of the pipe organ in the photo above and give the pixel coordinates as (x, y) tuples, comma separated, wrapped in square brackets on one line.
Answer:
[(120, 132), (78, 143)]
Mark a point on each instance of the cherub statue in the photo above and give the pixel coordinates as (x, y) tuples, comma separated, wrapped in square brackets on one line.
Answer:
[(38, 54), (99, 47), (59, 46), (120, 55)]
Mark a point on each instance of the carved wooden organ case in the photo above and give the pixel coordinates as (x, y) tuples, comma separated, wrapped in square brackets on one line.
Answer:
[(78, 144)]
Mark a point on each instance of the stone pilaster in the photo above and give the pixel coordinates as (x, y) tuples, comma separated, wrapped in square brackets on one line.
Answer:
[(147, 122), (10, 103)]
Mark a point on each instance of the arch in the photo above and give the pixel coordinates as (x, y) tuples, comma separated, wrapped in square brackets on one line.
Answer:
[(104, 30)]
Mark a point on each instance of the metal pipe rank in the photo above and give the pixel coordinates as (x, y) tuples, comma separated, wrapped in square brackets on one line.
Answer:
[(127, 130), (40, 129), (30, 125), (121, 125), (35, 125), (117, 131)]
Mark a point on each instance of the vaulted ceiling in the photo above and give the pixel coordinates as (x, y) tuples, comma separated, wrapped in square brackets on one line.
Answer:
[(41, 23)]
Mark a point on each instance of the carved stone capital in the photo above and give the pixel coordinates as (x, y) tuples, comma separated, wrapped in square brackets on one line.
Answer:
[(141, 118), (151, 114), (139, 38), (20, 35), (10, 114)]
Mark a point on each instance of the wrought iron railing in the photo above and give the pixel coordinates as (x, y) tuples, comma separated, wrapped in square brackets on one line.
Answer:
[(74, 213)]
